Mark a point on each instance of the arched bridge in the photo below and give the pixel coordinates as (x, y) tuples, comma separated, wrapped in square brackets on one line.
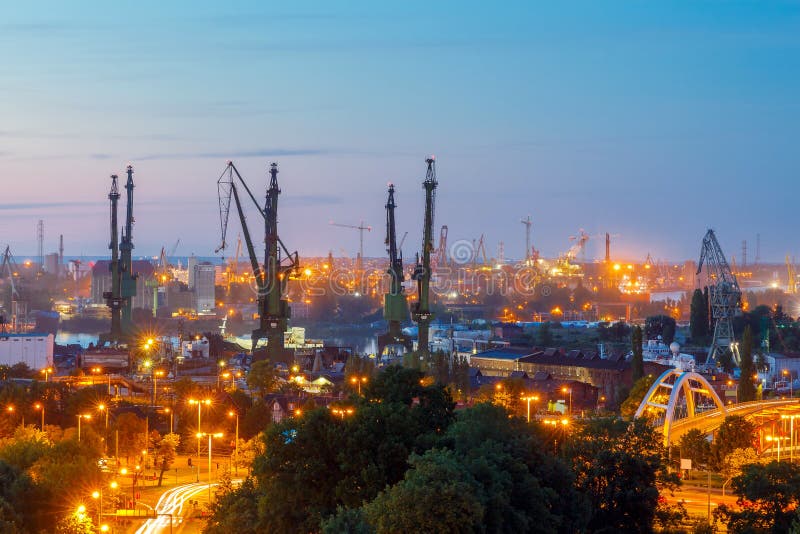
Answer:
[(678, 402)]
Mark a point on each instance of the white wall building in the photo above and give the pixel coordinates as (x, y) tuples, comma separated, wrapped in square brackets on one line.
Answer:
[(204, 289), (36, 350)]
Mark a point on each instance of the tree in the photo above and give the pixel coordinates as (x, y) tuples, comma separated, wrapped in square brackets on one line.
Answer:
[(167, 447), (695, 447), (620, 467), (746, 388), (131, 434), (544, 338), (735, 432), (660, 325), (437, 495), (261, 377), (698, 318), (735, 462), (772, 494), (635, 397), (637, 360)]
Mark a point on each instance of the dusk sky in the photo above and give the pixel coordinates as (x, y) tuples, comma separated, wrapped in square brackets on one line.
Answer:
[(652, 120)]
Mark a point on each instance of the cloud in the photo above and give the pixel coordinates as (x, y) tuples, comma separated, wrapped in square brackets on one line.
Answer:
[(260, 153), (42, 205)]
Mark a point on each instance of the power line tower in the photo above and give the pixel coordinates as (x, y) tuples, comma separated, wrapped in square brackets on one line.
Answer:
[(395, 307), (421, 312), (724, 295)]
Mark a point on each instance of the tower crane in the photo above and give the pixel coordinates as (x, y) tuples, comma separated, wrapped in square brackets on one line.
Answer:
[(421, 312), (271, 278), (361, 228), (127, 278), (724, 295), (440, 258), (791, 285), (113, 298), (395, 307)]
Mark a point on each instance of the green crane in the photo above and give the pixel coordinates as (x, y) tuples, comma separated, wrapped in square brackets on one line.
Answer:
[(395, 307), (422, 270), (271, 278), (127, 278)]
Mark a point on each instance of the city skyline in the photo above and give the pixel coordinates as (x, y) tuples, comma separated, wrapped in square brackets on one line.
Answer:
[(687, 122)]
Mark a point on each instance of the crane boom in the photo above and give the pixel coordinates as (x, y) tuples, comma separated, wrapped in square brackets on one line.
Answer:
[(395, 307)]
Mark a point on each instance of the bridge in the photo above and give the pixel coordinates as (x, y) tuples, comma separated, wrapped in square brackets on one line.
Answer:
[(679, 401)]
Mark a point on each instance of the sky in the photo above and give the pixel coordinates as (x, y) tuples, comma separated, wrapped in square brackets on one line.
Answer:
[(652, 120)]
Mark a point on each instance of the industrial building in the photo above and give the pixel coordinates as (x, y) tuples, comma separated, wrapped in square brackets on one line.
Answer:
[(203, 287), (35, 350), (143, 270)]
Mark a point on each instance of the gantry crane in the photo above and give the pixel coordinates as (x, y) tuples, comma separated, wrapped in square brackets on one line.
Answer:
[(724, 295), (422, 270), (271, 278), (395, 307)]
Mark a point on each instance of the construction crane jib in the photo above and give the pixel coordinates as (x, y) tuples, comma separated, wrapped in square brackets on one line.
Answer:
[(724, 295)]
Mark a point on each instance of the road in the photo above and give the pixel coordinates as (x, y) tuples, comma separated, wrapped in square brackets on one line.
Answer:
[(695, 499), (172, 503)]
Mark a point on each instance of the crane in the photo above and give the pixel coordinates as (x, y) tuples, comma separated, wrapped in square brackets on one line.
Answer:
[(791, 285), (127, 289), (440, 259), (724, 295), (479, 249), (395, 307), (113, 298), (580, 242), (528, 224), (18, 311), (361, 228), (271, 278), (421, 312)]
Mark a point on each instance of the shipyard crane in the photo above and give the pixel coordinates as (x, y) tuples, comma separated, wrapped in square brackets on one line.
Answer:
[(479, 249), (580, 242), (113, 298), (361, 228), (791, 285), (724, 295), (271, 278), (528, 222), (440, 258), (395, 307), (18, 307), (421, 312), (127, 278)]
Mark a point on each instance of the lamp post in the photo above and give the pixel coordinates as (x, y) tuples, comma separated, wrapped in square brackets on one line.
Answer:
[(10, 409), (135, 476), (98, 494), (199, 404), (234, 413), (358, 380), (216, 435), (786, 373), (530, 398), (171, 412), (565, 389), (40, 406), (47, 371), (103, 408), (342, 412), (82, 416)]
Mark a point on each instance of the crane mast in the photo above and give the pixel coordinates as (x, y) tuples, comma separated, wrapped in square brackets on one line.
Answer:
[(422, 270), (127, 278), (395, 307), (271, 278), (724, 295)]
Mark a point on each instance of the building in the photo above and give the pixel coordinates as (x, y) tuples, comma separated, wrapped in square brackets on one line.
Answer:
[(606, 374), (35, 350), (192, 264), (143, 270), (204, 301), (51, 263)]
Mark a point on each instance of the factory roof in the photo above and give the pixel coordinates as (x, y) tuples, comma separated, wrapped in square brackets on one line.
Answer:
[(503, 353)]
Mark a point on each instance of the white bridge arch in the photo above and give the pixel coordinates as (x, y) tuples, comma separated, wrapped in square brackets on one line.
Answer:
[(674, 396)]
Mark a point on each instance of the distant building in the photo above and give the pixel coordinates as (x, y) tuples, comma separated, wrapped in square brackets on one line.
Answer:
[(35, 350), (142, 269), (205, 304), (190, 268), (51, 265)]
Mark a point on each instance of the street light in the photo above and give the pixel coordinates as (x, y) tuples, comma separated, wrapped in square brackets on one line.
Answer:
[(788, 376), (730, 384), (156, 374), (40, 406), (530, 398), (234, 413), (565, 389), (98, 494), (342, 412), (135, 477), (171, 412), (82, 416), (47, 371), (358, 380), (199, 404), (216, 435)]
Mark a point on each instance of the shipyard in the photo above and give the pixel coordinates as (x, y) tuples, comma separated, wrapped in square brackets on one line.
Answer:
[(364, 268)]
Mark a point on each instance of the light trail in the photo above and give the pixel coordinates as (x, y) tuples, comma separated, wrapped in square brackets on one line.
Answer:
[(171, 503)]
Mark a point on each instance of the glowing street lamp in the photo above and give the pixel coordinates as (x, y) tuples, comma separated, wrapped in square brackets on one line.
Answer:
[(788, 376), (530, 398), (40, 406), (82, 416), (47, 372), (209, 436), (358, 380), (199, 404), (171, 412), (234, 413), (342, 412), (565, 389), (156, 374)]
